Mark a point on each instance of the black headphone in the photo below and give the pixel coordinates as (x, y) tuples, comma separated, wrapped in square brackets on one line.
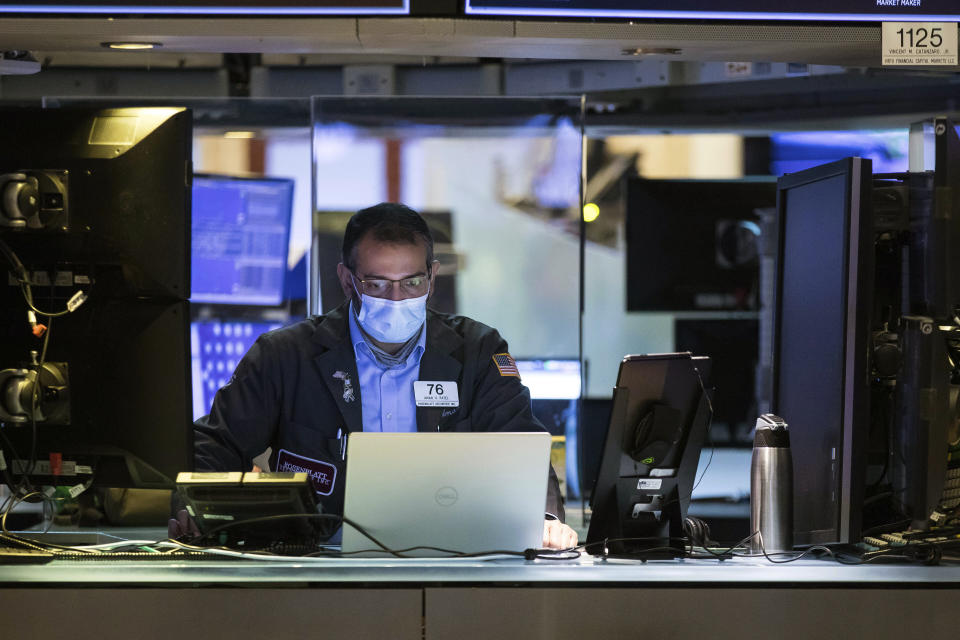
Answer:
[(698, 532)]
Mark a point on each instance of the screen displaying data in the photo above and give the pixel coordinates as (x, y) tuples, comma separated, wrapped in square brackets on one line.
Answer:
[(550, 379), (846, 10), (240, 237), (216, 347), (214, 7)]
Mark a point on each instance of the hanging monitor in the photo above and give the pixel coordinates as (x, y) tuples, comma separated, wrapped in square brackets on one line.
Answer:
[(694, 245), (821, 10), (212, 7), (241, 234)]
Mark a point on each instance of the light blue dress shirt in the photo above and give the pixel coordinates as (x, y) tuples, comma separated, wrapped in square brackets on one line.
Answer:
[(386, 394)]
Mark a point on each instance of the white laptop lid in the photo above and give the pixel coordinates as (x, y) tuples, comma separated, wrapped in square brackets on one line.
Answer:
[(468, 492)]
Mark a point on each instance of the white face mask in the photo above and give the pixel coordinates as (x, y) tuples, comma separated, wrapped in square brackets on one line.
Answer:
[(392, 321)]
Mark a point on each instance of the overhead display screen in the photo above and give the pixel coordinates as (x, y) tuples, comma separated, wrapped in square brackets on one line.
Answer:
[(221, 7), (848, 10)]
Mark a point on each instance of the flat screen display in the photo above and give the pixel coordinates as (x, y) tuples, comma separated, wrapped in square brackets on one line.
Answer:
[(793, 151), (222, 7), (240, 236), (216, 347), (732, 345), (694, 245), (812, 320), (554, 386), (551, 379), (848, 10), (821, 328)]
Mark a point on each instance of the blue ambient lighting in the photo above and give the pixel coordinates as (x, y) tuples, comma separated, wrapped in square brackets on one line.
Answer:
[(705, 15), (201, 10)]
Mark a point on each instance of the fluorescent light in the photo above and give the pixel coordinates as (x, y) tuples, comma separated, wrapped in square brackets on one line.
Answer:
[(131, 46), (240, 135), (651, 51)]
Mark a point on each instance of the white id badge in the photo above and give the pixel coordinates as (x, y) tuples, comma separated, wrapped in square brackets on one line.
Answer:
[(436, 394)]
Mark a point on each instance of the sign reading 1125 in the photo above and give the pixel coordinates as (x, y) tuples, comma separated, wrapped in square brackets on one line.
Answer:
[(919, 44), (921, 37)]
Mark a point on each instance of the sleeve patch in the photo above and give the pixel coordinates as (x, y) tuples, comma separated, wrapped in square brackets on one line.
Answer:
[(506, 365)]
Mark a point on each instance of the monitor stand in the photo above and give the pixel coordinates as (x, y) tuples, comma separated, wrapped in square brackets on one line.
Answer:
[(642, 517)]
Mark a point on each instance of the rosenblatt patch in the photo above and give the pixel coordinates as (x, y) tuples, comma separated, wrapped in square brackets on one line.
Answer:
[(323, 475)]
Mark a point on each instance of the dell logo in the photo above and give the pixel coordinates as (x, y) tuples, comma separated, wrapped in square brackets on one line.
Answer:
[(446, 496)]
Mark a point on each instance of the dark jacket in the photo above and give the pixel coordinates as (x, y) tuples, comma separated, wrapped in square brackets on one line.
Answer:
[(288, 393)]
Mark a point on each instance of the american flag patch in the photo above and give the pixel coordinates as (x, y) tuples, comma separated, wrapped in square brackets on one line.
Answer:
[(506, 364)]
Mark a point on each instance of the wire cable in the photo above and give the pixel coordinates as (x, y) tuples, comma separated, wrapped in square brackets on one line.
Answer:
[(20, 272), (34, 400), (769, 555), (530, 554), (7, 535), (23, 280), (636, 553)]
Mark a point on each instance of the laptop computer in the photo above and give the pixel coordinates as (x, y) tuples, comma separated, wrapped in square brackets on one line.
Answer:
[(466, 492)]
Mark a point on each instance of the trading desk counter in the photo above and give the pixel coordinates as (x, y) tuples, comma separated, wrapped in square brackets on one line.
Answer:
[(494, 598)]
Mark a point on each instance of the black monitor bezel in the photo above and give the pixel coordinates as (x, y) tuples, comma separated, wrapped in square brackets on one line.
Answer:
[(650, 207), (858, 292)]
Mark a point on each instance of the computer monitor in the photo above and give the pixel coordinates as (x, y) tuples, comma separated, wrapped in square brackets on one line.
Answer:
[(112, 219), (864, 351), (123, 419), (792, 151), (240, 233), (99, 198), (660, 417), (554, 386), (216, 346), (594, 420), (733, 347), (825, 283), (693, 245), (550, 378)]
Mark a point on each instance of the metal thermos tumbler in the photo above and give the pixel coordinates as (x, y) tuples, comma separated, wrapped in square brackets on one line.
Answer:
[(771, 487)]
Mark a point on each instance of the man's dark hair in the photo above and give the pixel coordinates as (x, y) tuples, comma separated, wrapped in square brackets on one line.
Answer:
[(388, 222)]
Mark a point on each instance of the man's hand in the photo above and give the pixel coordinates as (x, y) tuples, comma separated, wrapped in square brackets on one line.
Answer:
[(182, 526), (557, 535)]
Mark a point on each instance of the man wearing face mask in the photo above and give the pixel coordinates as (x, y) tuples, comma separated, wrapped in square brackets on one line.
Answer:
[(300, 390)]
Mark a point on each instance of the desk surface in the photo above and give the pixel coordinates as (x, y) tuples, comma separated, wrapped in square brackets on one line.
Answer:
[(508, 598), (585, 570)]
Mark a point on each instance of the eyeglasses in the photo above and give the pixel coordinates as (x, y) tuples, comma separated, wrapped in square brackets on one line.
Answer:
[(381, 288)]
